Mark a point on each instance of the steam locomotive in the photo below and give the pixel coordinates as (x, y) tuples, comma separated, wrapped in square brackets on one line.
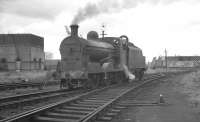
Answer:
[(100, 61)]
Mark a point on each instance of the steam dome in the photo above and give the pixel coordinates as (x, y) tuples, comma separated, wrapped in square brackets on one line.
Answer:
[(92, 35)]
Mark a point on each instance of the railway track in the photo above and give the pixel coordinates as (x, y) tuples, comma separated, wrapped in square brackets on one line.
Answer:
[(5, 86), (37, 96), (84, 107), (33, 97)]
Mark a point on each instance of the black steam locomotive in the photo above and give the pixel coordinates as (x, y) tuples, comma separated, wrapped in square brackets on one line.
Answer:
[(100, 61)]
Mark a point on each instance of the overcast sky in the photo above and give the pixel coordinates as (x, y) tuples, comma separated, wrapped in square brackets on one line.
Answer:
[(152, 25)]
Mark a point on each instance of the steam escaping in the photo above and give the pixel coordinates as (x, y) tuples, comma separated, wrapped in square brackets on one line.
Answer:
[(128, 73), (76, 74), (105, 65), (110, 6), (125, 68)]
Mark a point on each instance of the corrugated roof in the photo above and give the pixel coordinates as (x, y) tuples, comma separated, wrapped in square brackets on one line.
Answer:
[(23, 39)]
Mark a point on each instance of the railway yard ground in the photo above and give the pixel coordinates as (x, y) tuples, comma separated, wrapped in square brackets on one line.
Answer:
[(36, 82), (181, 94), (25, 90), (21, 91)]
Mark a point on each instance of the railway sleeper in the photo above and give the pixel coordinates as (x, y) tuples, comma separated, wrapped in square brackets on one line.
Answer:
[(96, 101), (90, 103), (83, 105), (78, 112), (111, 112), (77, 108), (119, 107), (137, 102), (63, 115), (50, 119), (100, 99), (101, 95), (104, 118), (107, 116)]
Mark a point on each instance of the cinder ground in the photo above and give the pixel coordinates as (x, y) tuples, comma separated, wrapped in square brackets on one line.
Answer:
[(181, 92), (21, 91), (31, 76), (37, 76)]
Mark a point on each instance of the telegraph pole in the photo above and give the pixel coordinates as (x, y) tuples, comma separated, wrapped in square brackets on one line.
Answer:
[(103, 31), (166, 59)]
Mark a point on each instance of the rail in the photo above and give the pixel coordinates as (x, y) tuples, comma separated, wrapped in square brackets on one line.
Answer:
[(36, 112)]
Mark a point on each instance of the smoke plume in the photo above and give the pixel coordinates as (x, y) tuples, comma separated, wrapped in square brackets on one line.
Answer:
[(110, 6)]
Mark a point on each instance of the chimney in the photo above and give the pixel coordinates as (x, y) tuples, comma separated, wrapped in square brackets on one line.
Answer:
[(74, 30)]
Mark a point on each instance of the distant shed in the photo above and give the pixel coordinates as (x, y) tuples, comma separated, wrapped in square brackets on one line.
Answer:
[(51, 64), (176, 62)]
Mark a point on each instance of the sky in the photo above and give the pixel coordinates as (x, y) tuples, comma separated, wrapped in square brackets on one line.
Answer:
[(152, 25)]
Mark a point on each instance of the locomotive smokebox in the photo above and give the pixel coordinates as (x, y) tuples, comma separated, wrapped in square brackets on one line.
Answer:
[(74, 30)]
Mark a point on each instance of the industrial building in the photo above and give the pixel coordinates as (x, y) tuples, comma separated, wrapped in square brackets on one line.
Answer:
[(176, 62), (21, 52)]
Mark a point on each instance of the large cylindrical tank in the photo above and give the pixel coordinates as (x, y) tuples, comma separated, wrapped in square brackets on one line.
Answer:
[(96, 48)]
